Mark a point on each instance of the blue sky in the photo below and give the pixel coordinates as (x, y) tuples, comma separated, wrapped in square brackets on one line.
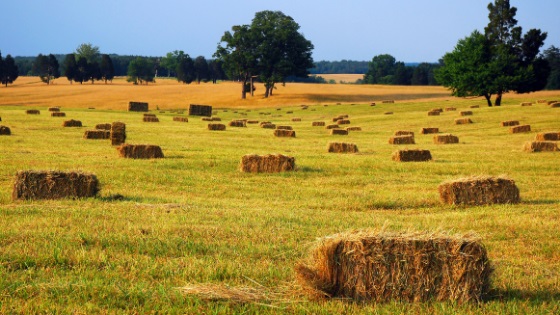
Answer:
[(410, 30)]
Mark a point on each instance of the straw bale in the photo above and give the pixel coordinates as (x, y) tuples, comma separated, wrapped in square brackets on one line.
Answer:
[(290, 112), (541, 101), (103, 126), (340, 132), (334, 126), (404, 133), (268, 126), (58, 114), (388, 113), (32, 112), (540, 146), (181, 119), (149, 115), (284, 133), (450, 109), (72, 123), (384, 266), (355, 128), (97, 134), (5, 131), (237, 123), (216, 119), (372, 104), (220, 127), (343, 122), (269, 163), (265, 123), (466, 113), (548, 136), (206, 119), (555, 105), (475, 106), (296, 119), (137, 107), (33, 185), (526, 104), (252, 122), (342, 147), (449, 138), (337, 118), (508, 123), (200, 110), (552, 102), (118, 133), (437, 110), (140, 151), (318, 124), (479, 190), (433, 113), (388, 102), (412, 156), (462, 121), (429, 130), (520, 128), (54, 109), (401, 140), (284, 127)]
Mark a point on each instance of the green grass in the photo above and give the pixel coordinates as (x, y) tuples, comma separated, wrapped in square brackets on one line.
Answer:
[(194, 218)]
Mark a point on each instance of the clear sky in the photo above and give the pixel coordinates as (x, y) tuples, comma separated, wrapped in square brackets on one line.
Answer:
[(409, 30)]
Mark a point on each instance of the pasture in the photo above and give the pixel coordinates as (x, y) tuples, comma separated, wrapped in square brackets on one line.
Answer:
[(161, 227)]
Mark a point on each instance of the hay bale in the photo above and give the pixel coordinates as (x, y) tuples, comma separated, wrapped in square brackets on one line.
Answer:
[(463, 121), (33, 185), (268, 126), (290, 112), (541, 101), (218, 127), (72, 123), (334, 126), (32, 112), (343, 122), (118, 133), (296, 119), (58, 114), (388, 102), (548, 136), (412, 267), (140, 151), (404, 133), (508, 123), (520, 128), (149, 115), (252, 122), (137, 107), (479, 190), (342, 147), (526, 104), (318, 124), (206, 119), (216, 119), (103, 126), (270, 163), (54, 109), (412, 155), (466, 113), (437, 110), (540, 146), (552, 102), (181, 119), (475, 106), (284, 127), (388, 113), (355, 128), (200, 110), (433, 113), (284, 133), (5, 131), (340, 132), (450, 109), (237, 123), (445, 139), (372, 104), (429, 130), (555, 105), (97, 134), (265, 123), (401, 140)]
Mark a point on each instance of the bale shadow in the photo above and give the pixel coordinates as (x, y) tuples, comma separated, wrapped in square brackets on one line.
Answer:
[(534, 296), (118, 197), (541, 202)]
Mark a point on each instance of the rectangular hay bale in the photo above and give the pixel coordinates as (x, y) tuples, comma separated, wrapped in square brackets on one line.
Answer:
[(118, 133), (270, 163), (342, 147), (181, 119), (97, 134), (72, 123), (355, 128), (520, 128), (540, 146), (58, 114), (445, 139), (429, 130), (401, 140), (318, 124), (238, 123), (509, 123), (216, 127), (284, 133), (140, 151), (340, 132), (103, 126), (34, 185), (416, 155), (548, 136), (32, 112), (466, 113), (137, 106), (463, 121), (284, 127), (479, 190), (200, 110)]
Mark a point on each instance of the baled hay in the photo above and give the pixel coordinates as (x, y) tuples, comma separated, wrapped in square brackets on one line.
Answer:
[(388, 113), (475, 106), (332, 126), (355, 128), (32, 112), (265, 123), (5, 131), (433, 113), (509, 123), (238, 123), (206, 119), (372, 104), (284, 133), (479, 190), (219, 127), (519, 129), (97, 134), (437, 110), (343, 122), (318, 124), (149, 115), (555, 105), (340, 132), (296, 119), (33, 185), (137, 106), (337, 118), (548, 136), (216, 119), (388, 102), (252, 122), (72, 123), (463, 121), (412, 267), (103, 126), (541, 101), (540, 146), (270, 163), (466, 113), (140, 151), (450, 109), (181, 119), (552, 102), (54, 109), (150, 119), (342, 147), (429, 130), (118, 133), (412, 156), (526, 104), (284, 127), (444, 139), (268, 126), (200, 110), (404, 133), (58, 114), (401, 140)]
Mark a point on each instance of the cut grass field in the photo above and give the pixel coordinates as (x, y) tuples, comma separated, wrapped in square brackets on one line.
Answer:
[(193, 220)]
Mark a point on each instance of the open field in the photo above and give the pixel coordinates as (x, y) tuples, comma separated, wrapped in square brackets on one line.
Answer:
[(346, 78), (193, 218)]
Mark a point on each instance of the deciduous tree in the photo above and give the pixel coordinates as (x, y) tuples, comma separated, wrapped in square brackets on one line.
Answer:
[(8, 70), (106, 68), (46, 67)]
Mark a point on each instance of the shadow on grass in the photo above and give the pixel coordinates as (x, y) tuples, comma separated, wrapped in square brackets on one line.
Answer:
[(307, 169), (534, 296), (541, 202), (118, 197)]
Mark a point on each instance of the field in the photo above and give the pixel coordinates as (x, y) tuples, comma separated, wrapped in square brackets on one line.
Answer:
[(193, 219)]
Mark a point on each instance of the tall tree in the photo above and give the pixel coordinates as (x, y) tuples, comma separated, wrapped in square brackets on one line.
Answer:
[(552, 55), (169, 62), (185, 68), (46, 67), (88, 51), (8, 70), (380, 70), (70, 67), (94, 72), (141, 70), (216, 71), (106, 68), (81, 74), (200, 69)]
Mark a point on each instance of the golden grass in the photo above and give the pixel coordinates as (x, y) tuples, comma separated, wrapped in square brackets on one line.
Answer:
[(341, 77)]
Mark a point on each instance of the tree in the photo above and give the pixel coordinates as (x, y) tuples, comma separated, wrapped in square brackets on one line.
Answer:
[(200, 66), (88, 51), (552, 55), (169, 62), (70, 67), (216, 71), (46, 67), (93, 72), (106, 68), (82, 69), (380, 70), (141, 70), (8, 70), (185, 68)]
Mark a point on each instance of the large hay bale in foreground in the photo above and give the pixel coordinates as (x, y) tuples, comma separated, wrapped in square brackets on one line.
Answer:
[(118, 133), (520, 128), (32, 112), (137, 106), (412, 156), (32, 185), (97, 134), (412, 267), (200, 110), (540, 146), (217, 127), (509, 123), (284, 133), (269, 163), (72, 123), (479, 190), (342, 147), (140, 151), (401, 140), (340, 132), (463, 121), (548, 136), (5, 131), (445, 139), (103, 126), (429, 130), (58, 114)]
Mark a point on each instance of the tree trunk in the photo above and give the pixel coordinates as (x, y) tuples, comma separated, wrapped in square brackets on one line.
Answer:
[(243, 91), (488, 98), (498, 101)]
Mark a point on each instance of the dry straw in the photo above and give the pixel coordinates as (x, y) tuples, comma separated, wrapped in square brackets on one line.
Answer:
[(412, 156), (97, 134), (479, 190), (270, 163), (433, 113), (552, 102), (340, 132), (296, 119), (401, 140), (445, 139), (218, 127), (540, 146), (429, 130), (58, 114), (72, 123), (343, 122), (412, 267), (206, 119), (140, 151), (388, 113), (342, 147), (103, 126), (118, 133), (268, 126), (284, 133), (5, 131), (137, 107), (548, 136), (237, 123), (541, 101), (555, 105), (216, 119), (33, 185), (475, 106), (509, 123), (519, 129), (150, 119), (463, 121), (318, 124), (252, 122)]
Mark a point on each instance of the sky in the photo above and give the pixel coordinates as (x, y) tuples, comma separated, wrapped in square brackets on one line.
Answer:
[(409, 30)]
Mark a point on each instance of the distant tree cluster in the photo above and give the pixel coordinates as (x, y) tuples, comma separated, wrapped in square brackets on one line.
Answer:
[(8, 70), (384, 69), (87, 64), (552, 55), (343, 66), (187, 70)]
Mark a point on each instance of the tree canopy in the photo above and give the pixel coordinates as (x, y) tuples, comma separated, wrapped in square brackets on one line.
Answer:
[(46, 67), (8, 70), (141, 70)]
